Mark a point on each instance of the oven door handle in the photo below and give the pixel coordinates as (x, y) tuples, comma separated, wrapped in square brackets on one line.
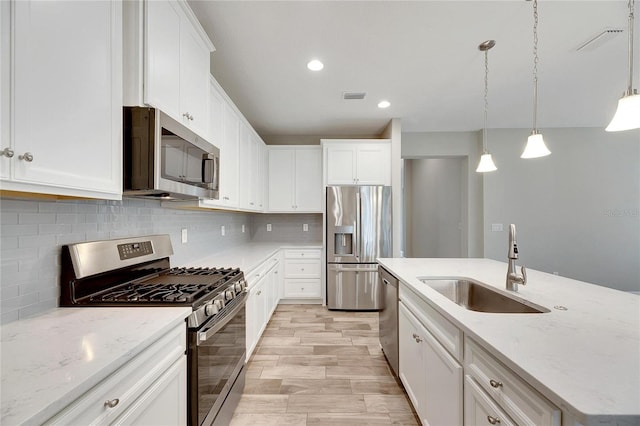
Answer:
[(209, 330)]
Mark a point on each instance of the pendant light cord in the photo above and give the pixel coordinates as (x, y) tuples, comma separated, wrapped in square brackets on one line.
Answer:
[(631, 11), (535, 66), (486, 100)]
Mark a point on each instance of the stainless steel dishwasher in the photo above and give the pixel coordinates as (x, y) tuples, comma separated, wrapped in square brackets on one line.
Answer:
[(388, 319)]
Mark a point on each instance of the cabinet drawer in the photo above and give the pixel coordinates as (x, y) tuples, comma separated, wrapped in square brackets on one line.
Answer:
[(442, 329), (479, 409), (523, 403), (126, 384), (254, 275), (294, 268), (302, 254), (300, 289)]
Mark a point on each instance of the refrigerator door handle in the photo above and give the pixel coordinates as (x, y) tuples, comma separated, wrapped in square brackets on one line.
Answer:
[(357, 226)]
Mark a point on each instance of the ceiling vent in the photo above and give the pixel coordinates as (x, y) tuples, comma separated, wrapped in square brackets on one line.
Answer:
[(598, 40), (353, 95)]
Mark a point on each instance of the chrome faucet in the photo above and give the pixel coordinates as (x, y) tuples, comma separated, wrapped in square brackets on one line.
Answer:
[(513, 278)]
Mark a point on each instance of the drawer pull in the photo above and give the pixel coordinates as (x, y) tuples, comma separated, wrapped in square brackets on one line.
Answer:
[(418, 338), (259, 293), (495, 384), (493, 420), (112, 403)]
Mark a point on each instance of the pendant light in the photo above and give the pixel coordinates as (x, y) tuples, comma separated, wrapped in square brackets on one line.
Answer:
[(486, 162), (627, 115), (535, 143)]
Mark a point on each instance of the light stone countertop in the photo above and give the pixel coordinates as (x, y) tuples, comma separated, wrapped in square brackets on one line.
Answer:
[(586, 360), (246, 256), (50, 360)]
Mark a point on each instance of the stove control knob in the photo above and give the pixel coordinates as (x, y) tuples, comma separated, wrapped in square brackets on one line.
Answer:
[(229, 294), (211, 309), (239, 286), (218, 304)]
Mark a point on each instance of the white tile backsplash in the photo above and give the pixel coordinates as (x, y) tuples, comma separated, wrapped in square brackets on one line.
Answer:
[(32, 232)]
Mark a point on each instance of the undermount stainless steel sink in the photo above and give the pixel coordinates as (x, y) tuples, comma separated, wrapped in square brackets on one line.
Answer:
[(475, 296)]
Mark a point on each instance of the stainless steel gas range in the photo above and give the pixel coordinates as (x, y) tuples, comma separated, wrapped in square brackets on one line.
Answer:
[(136, 272)]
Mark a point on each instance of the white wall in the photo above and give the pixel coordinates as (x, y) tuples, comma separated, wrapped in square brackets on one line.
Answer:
[(577, 212), (434, 193), (455, 144)]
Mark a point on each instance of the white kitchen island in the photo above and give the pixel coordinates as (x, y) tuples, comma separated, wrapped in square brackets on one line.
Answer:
[(585, 360)]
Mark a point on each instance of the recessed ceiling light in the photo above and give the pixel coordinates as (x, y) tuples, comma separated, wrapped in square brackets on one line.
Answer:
[(315, 65), (384, 104)]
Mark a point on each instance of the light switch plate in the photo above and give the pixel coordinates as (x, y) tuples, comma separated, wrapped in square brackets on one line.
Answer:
[(184, 235), (243, 229), (222, 232), (305, 227), (268, 227)]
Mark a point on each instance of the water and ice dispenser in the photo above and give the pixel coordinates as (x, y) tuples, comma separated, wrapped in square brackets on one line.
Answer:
[(343, 240)]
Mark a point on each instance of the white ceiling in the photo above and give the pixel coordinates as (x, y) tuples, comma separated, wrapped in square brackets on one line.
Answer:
[(422, 56)]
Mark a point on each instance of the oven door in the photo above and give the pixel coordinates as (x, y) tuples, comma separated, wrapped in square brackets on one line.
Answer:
[(217, 352)]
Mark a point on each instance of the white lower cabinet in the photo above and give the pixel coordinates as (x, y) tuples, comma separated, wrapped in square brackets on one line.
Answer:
[(430, 375), (519, 400), (432, 350), (302, 271), (479, 409), (264, 294), (151, 389), (157, 406)]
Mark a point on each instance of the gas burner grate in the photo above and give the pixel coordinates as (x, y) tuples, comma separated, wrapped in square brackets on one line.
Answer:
[(179, 293)]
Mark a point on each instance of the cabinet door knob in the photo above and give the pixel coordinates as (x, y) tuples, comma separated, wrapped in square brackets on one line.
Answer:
[(111, 403), (7, 152), (495, 383), (493, 420), (27, 156)]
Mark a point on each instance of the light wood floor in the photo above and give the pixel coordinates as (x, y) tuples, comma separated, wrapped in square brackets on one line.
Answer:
[(318, 367)]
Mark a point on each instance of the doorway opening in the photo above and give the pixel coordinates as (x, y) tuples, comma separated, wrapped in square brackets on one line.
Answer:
[(436, 207)]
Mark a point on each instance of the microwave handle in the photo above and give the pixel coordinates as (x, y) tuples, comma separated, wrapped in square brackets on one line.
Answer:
[(210, 163)]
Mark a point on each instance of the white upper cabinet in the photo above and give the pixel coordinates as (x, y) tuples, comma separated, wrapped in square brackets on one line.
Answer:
[(295, 179), (63, 126), (252, 175), (167, 61), (357, 162), (224, 133), (162, 56)]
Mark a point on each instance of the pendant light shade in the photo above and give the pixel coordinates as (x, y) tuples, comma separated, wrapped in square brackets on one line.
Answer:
[(486, 162), (627, 115), (535, 147), (535, 143)]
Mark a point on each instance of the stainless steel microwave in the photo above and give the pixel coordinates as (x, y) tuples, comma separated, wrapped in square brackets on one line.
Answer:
[(163, 159)]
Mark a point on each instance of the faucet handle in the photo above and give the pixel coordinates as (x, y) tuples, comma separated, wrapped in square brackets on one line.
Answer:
[(524, 275)]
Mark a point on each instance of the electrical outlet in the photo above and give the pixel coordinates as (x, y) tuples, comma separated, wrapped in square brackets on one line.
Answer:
[(305, 227), (222, 232), (268, 227), (496, 227), (184, 236), (243, 229)]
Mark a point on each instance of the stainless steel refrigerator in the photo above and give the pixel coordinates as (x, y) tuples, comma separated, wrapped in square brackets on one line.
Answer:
[(358, 231)]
